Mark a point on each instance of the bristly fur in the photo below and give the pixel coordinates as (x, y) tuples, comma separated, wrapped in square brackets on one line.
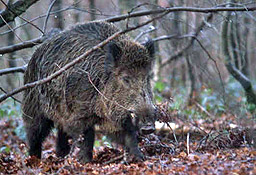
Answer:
[(71, 100)]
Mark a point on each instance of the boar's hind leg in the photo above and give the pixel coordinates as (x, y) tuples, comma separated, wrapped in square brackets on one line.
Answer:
[(62, 145), (130, 139), (86, 145), (37, 131)]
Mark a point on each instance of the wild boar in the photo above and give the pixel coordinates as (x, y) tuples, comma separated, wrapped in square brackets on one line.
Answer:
[(104, 89)]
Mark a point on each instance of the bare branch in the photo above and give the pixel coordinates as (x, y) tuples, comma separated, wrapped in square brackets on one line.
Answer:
[(204, 110), (48, 14), (30, 43), (215, 63), (34, 42), (20, 46), (76, 60), (15, 99), (13, 70), (184, 49), (165, 37), (175, 9), (114, 160), (71, 7), (11, 28), (194, 38), (16, 9), (151, 29), (36, 18)]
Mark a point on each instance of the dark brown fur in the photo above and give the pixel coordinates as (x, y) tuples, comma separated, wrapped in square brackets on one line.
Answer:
[(70, 102)]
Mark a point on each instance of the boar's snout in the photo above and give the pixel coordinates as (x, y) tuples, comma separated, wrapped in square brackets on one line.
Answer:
[(144, 118), (148, 128)]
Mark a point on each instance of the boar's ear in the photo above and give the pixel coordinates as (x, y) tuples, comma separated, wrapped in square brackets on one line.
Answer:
[(150, 47), (112, 56)]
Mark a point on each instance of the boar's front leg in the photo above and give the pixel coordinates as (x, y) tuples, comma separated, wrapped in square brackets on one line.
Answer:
[(37, 130), (86, 145), (62, 145), (130, 139)]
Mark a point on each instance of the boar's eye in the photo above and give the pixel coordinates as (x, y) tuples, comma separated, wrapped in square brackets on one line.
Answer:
[(126, 80)]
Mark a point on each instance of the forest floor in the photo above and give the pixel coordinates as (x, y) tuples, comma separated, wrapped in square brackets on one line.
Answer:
[(216, 146)]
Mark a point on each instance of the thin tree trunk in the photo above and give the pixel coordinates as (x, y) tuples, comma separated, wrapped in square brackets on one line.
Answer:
[(238, 75), (92, 9), (245, 60), (58, 21), (233, 42), (11, 62), (76, 14)]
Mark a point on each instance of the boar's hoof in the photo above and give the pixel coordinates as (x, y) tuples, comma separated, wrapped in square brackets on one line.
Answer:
[(137, 155), (139, 158), (132, 158), (84, 159)]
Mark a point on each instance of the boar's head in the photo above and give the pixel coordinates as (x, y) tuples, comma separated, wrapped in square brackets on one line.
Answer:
[(128, 66)]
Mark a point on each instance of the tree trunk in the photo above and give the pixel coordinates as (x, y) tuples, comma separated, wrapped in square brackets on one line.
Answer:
[(238, 75)]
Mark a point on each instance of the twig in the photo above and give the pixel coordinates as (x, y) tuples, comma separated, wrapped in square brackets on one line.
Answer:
[(188, 143), (90, 80), (173, 132), (198, 127), (151, 29), (203, 109), (47, 15), (114, 159), (76, 60), (15, 99), (204, 139), (216, 65), (11, 28), (13, 70), (164, 37), (214, 138)]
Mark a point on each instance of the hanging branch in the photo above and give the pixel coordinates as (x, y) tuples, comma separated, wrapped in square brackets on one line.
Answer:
[(76, 60)]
